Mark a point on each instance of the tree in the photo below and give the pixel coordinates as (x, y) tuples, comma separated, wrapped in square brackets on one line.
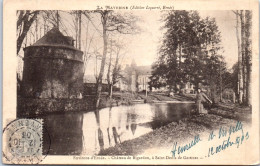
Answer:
[(113, 73), (80, 22), (177, 27), (109, 72), (104, 17), (190, 47), (158, 78), (235, 79), (24, 22), (87, 45), (51, 18), (242, 20), (244, 55), (77, 26), (248, 55), (112, 22), (240, 68)]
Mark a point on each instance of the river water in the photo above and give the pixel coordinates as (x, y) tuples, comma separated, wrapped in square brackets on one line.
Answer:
[(87, 133)]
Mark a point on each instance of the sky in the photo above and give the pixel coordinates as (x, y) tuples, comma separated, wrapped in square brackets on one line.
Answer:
[(144, 46), (226, 21)]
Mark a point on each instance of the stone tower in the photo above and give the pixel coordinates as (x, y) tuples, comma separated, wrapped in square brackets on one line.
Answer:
[(53, 67)]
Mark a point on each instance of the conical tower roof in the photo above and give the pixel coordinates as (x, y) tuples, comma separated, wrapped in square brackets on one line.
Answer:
[(55, 38)]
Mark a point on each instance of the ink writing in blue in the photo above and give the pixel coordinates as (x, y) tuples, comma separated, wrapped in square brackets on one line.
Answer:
[(239, 126), (182, 149), (211, 135), (222, 132), (228, 142)]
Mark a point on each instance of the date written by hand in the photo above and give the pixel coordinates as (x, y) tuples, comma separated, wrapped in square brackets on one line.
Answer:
[(239, 137), (233, 136)]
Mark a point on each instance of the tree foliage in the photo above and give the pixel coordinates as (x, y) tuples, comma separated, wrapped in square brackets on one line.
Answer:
[(190, 51)]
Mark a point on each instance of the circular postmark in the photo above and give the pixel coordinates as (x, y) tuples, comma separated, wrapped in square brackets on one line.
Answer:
[(22, 141)]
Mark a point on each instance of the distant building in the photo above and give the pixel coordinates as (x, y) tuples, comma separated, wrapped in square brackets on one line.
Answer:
[(189, 88), (122, 84), (90, 82), (92, 79), (144, 73), (134, 78)]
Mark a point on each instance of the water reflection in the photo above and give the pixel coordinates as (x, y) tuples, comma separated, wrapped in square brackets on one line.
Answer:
[(65, 132), (89, 133)]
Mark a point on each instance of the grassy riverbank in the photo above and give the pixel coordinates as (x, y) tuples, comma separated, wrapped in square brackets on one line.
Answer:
[(187, 128), (127, 98)]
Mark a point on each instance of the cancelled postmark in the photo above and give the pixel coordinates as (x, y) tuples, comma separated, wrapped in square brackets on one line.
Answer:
[(23, 141)]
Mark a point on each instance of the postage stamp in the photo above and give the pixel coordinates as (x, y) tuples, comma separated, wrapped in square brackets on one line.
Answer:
[(23, 141)]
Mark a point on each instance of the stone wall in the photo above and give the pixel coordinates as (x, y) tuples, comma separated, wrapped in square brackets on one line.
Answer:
[(52, 72), (90, 88), (29, 107)]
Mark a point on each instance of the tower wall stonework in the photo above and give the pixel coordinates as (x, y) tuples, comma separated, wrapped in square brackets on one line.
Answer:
[(52, 72)]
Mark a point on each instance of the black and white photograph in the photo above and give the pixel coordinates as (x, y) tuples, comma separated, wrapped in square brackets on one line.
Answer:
[(133, 83)]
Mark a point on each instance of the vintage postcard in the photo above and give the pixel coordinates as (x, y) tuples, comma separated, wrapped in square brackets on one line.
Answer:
[(130, 82)]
